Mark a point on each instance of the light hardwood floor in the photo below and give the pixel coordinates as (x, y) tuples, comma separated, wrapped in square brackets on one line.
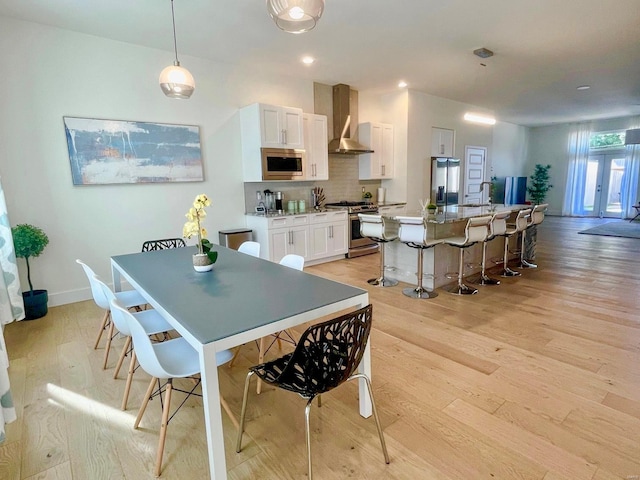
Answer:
[(538, 378)]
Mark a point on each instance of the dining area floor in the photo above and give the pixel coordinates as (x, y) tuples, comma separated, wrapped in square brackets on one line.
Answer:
[(536, 378)]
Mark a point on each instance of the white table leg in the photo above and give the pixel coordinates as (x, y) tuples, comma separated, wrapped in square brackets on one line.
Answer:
[(212, 413), (117, 280), (363, 394)]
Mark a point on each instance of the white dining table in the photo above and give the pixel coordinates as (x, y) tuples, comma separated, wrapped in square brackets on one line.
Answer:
[(242, 299)]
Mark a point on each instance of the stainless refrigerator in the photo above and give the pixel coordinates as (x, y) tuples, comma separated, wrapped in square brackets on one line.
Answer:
[(445, 181)]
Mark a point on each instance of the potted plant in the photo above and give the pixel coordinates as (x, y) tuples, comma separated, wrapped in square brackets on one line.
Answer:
[(539, 184), (431, 208), (205, 258), (29, 241), (537, 193)]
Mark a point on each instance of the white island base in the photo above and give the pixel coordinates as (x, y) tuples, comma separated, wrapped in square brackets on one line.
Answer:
[(440, 263)]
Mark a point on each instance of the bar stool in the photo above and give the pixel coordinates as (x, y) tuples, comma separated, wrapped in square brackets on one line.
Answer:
[(378, 229), (536, 218), (497, 227), (520, 225), (413, 232), (476, 230)]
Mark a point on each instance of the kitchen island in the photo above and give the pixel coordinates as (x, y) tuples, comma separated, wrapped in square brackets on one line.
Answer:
[(440, 263)]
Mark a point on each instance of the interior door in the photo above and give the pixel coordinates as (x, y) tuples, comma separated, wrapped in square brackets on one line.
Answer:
[(474, 161), (603, 185)]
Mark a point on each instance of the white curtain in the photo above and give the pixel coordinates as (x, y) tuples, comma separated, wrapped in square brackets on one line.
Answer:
[(629, 187), (578, 153), (11, 308)]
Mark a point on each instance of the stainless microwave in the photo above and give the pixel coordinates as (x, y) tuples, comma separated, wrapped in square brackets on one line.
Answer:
[(282, 164)]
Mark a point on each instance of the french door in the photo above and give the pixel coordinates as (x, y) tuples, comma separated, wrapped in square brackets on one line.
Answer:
[(603, 185)]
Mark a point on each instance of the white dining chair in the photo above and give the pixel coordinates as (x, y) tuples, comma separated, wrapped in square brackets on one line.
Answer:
[(168, 360), (129, 298), (250, 248), (297, 263), (291, 261), (152, 322)]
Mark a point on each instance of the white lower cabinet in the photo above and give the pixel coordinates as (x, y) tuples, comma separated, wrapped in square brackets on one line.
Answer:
[(328, 235), (283, 241), (317, 237)]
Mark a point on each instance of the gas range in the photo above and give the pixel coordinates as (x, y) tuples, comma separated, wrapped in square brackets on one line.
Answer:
[(353, 207), (358, 245)]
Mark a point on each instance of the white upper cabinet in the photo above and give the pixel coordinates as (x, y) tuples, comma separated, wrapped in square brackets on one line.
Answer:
[(271, 126), (379, 138), (316, 147), (442, 142)]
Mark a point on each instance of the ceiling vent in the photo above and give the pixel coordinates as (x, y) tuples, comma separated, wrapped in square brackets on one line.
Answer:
[(483, 52)]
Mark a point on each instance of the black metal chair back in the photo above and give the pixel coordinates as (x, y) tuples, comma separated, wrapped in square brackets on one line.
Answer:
[(326, 356), (163, 244)]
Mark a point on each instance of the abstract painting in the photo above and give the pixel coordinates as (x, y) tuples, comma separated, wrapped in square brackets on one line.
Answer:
[(118, 151)]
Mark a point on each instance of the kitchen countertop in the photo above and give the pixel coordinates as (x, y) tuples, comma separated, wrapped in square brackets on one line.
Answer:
[(391, 204), (456, 213), (286, 214)]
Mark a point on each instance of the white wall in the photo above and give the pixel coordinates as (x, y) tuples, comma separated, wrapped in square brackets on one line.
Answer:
[(426, 111), (510, 149), (50, 73)]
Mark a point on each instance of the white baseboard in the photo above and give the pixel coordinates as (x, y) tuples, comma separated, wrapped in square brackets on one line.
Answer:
[(73, 296)]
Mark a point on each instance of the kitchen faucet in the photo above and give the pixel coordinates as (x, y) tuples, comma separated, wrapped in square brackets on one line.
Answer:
[(489, 197)]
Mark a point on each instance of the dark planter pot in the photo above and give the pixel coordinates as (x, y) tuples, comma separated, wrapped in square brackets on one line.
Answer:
[(35, 306)]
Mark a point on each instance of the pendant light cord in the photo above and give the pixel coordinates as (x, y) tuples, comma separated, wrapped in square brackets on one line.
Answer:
[(175, 43)]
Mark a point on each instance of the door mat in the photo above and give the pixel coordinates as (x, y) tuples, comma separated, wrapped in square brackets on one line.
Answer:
[(615, 229)]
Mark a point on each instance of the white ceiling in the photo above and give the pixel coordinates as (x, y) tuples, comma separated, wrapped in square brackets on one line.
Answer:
[(543, 49)]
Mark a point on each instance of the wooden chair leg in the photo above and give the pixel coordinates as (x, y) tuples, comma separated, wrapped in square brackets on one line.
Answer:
[(145, 402), (163, 427), (103, 325), (108, 346), (227, 409), (235, 355), (123, 353), (127, 387), (260, 360)]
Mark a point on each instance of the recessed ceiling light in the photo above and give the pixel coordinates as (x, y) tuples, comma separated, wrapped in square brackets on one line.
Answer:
[(402, 84), (308, 60), (583, 87)]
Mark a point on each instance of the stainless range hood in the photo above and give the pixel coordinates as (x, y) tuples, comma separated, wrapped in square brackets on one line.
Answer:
[(342, 142)]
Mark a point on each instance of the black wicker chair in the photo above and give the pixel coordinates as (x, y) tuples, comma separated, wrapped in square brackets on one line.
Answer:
[(163, 244), (327, 355)]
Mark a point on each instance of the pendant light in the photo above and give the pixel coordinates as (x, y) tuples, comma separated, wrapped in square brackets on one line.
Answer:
[(176, 81), (295, 16)]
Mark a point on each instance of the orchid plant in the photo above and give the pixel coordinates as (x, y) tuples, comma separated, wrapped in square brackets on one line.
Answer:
[(193, 226)]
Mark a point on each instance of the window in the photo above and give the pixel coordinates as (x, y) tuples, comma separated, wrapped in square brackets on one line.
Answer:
[(603, 140)]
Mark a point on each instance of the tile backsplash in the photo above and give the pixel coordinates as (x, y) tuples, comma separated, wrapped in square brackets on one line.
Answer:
[(343, 184)]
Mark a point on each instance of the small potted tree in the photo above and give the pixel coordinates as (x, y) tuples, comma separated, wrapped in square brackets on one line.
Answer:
[(29, 241), (537, 191), (539, 184)]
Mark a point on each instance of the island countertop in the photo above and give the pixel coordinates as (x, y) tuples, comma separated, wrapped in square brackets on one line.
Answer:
[(456, 213), (442, 259)]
